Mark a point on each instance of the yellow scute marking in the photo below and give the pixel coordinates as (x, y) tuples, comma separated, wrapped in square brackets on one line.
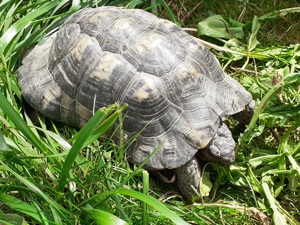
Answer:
[(151, 41), (199, 138), (97, 17), (80, 47), (124, 23), (186, 71), (141, 95), (105, 67)]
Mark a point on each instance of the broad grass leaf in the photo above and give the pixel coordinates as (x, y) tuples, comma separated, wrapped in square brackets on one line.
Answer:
[(205, 185), (293, 78), (20, 206), (163, 209), (3, 145), (10, 34), (90, 132), (20, 123), (145, 191), (253, 42), (33, 187), (132, 4), (168, 10), (218, 27), (264, 160), (12, 219), (278, 13), (250, 131), (278, 218), (78, 145), (104, 218), (280, 114), (235, 45), (105, 125)]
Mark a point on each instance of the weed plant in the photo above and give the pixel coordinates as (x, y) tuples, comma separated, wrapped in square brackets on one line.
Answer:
[(51, 173)]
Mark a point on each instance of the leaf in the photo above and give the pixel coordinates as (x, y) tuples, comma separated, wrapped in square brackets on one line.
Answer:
[(23, 22), (3, 145), (20, 206), (278, 13), (168, 10), (280, 114), (205, 185), (86, 135), (266, 159), (248, 134), (292, 78), (20, 123), (145, 191), (78, 145), (234, 44), (104, 218), (152, 202), (34, 188), (278, 218), (105, 125), (12, 219), (253, 42), (218, 27)]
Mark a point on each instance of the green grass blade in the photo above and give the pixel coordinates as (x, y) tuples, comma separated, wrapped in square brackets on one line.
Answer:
[(105, 111), (20, 123), (105, 125), (3, 145), (80, 142), (278, 218), (164, 210), (132, 4), (168, 10), (12, 219), (8, 36), (20, 206), (145, 192), (9, 15), (38, 191), (104, 218), (278, 13)]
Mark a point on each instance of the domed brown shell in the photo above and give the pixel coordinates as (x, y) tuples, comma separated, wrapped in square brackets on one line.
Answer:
[(175, 88)]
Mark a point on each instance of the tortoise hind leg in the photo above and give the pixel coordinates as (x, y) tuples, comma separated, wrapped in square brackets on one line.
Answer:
[(188, 178)]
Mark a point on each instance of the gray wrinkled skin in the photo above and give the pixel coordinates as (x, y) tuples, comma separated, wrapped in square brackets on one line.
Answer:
[(170, 81)]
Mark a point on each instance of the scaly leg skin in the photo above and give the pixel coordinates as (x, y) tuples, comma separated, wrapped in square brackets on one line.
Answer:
[(187, 176)]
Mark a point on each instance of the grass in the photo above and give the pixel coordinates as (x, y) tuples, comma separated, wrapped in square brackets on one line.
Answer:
[(54, 174)]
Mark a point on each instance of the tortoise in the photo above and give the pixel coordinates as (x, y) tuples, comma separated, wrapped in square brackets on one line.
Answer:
[(175, 88)]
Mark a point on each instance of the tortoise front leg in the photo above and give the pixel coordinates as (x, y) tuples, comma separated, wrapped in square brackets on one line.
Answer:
[(188, 178)]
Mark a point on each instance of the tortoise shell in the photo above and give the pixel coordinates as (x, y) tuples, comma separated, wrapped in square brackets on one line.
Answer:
[(175, 88)]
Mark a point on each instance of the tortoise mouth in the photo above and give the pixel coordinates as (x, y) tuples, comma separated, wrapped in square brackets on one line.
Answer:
[(224, 156)]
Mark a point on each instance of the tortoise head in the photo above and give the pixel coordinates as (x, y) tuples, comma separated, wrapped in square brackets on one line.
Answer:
[(220, 149)]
